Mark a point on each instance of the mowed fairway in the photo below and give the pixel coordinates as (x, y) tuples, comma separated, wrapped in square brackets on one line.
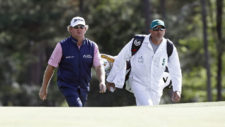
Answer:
[(173, 115)]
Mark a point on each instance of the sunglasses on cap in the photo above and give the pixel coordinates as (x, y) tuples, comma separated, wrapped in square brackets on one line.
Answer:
[(79, 26), (158, 28)]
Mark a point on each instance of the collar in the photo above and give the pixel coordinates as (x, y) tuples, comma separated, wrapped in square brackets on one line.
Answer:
[(149, 37), (74, 40)]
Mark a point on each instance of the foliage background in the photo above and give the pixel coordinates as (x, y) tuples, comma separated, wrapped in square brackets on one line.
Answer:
[(30, 29)]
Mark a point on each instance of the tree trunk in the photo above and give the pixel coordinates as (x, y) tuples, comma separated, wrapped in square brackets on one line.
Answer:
[(207, 65), (219, 4), (81, 6), (163, 9), (146, 4), (35, 69)]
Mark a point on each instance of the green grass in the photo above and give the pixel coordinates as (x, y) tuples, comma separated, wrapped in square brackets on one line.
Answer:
[(173, 115)]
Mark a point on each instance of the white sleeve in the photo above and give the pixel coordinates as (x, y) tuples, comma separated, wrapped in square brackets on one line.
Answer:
[(175, 70), (118, 71)]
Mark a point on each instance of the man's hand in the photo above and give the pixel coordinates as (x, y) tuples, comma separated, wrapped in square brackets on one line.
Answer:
[(111, 86), (43, 94), (102, 87), (47, 77), (176, 96)]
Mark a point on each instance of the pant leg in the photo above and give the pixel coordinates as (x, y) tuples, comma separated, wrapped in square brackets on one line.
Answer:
[(143, 98), (155, 97), (83, 94), (143, 95), (74, 101), (72, 96)]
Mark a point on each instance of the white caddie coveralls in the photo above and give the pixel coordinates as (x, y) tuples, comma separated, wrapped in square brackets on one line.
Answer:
[(147, 69)]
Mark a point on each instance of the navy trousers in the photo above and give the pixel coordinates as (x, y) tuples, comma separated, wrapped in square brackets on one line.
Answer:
[(75, 97)]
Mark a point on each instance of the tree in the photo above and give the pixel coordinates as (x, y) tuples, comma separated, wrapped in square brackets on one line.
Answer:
[(163, 9), (219, 18), (207, 65), (146, 5)]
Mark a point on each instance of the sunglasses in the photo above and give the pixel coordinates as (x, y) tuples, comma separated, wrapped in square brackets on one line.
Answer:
[(79, 26), (158, 29)]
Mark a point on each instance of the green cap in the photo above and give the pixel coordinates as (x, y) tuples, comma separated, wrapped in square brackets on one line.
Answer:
[(157, 22)]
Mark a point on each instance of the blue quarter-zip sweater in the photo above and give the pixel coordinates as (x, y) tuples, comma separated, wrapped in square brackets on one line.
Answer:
[(75, 66)]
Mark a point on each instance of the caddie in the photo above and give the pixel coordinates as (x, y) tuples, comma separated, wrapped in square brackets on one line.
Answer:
[(149, 59)]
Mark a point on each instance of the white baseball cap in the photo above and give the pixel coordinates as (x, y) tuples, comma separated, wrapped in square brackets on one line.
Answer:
[(77, 21)]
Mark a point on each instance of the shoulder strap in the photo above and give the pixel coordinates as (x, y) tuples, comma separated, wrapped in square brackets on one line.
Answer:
[(169, 53), (137, 42), (169, 48)]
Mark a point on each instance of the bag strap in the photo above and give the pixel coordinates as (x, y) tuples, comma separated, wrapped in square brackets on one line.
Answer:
[(169, 48), (137, 42)]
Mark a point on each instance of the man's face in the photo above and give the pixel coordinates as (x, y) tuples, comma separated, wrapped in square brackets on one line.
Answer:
[(157, 32), (78, 31)]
